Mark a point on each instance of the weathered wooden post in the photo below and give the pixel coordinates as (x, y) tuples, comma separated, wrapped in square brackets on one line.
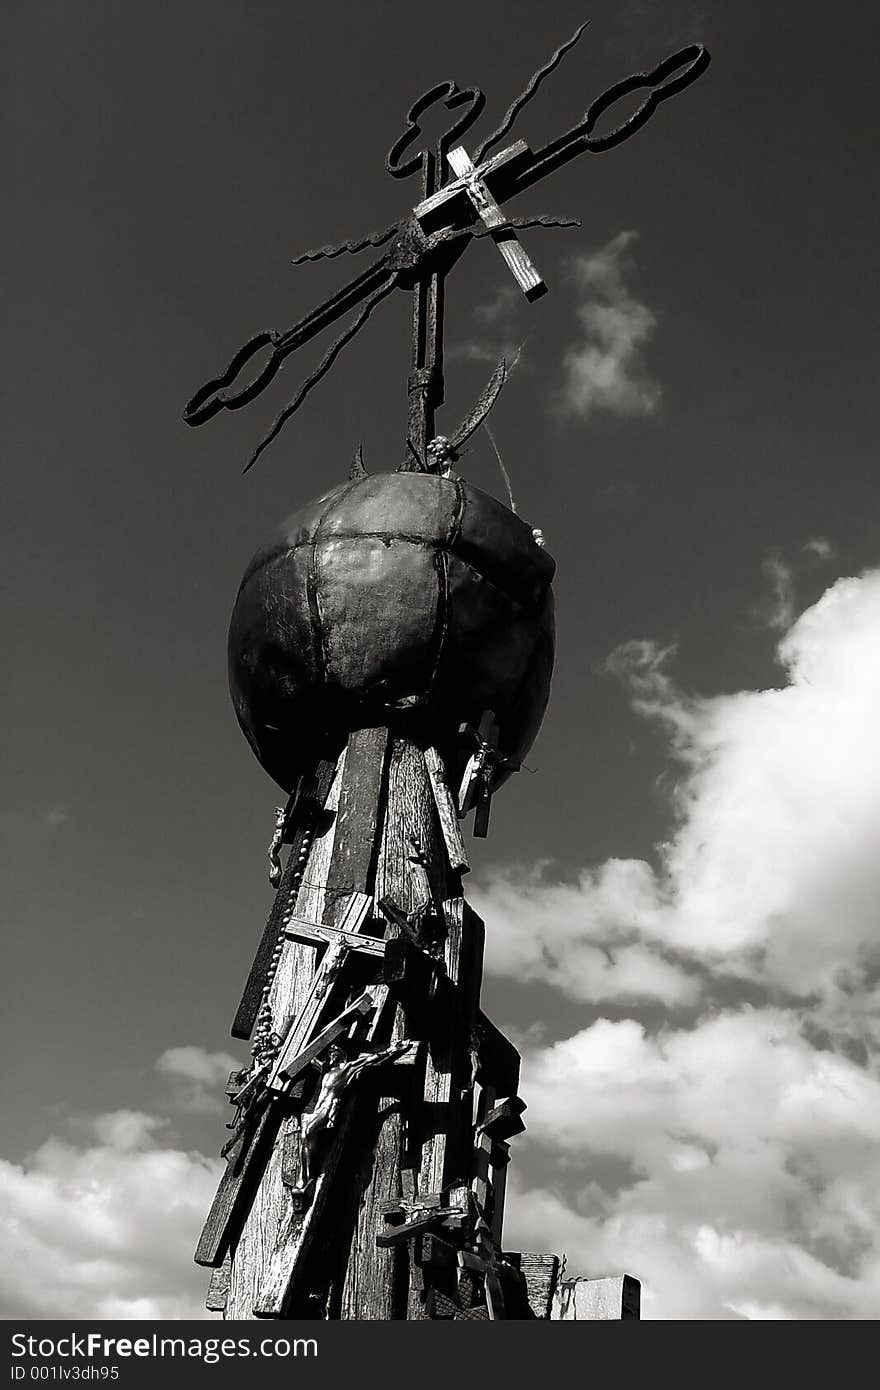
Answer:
[(390, 660)]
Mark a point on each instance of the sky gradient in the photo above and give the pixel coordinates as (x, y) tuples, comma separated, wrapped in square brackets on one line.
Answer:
[(693, 425)]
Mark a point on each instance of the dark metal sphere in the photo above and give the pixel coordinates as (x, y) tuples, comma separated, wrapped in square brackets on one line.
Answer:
[(401, 598)]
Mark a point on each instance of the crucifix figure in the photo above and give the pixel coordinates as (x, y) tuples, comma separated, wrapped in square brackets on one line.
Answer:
[(482, 770), (340, 1074), (471, 183)]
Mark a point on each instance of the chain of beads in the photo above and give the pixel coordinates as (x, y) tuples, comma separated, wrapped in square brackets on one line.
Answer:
[(263, 1032)]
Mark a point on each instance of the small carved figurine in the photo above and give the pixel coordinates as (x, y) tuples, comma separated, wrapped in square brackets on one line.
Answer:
[(342, 1071)]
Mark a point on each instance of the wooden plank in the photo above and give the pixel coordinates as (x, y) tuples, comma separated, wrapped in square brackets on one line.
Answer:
[(234, 1189), (498, 1059), (218, 1288), (306, 1020), (308, 804), (357, 819), (540, 1274), (505, 238), (610, 1299), (505, 1118), (327, 1035), (352, 912), (456, 850), (315, 934), (296, 1236), (499, 1161), (268, 1212)]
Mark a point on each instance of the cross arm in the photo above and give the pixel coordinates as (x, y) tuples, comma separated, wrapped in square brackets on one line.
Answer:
[(316, 934), (669, 77), (433, 213)]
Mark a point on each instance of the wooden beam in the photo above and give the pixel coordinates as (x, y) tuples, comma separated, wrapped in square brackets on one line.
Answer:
[(218, 1288), (327, 1036), (357, 818), (309, 803), (541, 1274), (497, 1058), (505, 1118), (515, 255), (603, 1300), (295, 1238), (456, 851), (316, 934), (230, 1201)]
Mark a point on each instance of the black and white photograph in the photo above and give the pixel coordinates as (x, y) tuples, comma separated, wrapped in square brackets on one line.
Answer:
[(440, 811)]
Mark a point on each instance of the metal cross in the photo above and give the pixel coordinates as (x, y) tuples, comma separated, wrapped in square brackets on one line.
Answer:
[(426, 243)]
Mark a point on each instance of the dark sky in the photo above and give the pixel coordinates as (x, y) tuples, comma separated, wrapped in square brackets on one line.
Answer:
[(162, 164)]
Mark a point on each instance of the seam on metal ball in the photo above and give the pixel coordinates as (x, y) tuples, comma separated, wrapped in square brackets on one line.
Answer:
[(531, 597), (438, 637)]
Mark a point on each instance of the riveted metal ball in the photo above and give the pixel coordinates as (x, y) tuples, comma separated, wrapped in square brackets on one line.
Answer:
[(395, 598)]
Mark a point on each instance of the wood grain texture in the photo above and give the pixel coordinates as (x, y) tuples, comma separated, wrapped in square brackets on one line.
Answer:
[(456, 850), (375, 1283), (610, 1299), (541, 1274), (230, 1201), (357, 819), (218, 1288), (304, 812), (269, 1211)]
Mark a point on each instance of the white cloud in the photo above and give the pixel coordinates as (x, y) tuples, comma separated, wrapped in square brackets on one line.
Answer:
[(605, 368), (105, 1228), (747, 1161), (819, 546), (743, 1147), (580, 937), (197, 1077), (772, 873), (778, 608)]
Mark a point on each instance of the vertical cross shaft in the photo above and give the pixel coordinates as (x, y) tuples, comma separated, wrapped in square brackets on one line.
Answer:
[(425, 385)]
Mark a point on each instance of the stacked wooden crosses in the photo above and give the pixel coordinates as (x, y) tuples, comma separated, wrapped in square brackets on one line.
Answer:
[(366, 1165)]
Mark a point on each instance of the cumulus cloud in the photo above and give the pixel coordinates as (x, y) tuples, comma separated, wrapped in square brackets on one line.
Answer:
[(744, 1140), (197, 1077), (819, 546), (749, 1158), (778, 608), (605, 368), (772, 873), (583, 938), (105, 1227)]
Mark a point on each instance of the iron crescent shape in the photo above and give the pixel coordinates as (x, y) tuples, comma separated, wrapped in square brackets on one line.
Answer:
[(215, 395), (452, 97), (689, 63)]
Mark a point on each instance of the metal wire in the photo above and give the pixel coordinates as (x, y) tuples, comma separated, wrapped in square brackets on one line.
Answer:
[(525, 96), (322, 368)]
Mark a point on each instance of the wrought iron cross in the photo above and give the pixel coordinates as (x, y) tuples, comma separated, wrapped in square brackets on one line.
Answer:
[(427, 241)]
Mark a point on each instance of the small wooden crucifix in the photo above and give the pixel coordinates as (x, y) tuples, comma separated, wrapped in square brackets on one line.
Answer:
[(482, 770), (471, 183)]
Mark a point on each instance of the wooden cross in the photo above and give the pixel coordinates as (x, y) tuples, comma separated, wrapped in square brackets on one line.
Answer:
[(481, 770), (339, 941), (471, 184)]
